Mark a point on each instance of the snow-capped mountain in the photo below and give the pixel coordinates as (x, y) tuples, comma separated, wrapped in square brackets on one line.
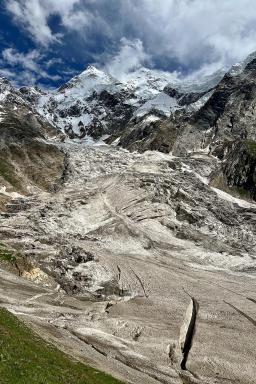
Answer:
[(10, 94), (88, 104), (148, 110), (96, 104)]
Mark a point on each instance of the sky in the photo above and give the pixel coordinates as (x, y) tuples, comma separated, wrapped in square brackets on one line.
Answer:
[(46, 42)]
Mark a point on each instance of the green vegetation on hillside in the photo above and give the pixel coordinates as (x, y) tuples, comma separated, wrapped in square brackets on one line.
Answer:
[(251, 145), (26, 358), (8, 173), (6, 254)]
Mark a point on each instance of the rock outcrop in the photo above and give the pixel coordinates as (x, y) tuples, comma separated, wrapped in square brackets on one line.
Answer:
[(27, 160)]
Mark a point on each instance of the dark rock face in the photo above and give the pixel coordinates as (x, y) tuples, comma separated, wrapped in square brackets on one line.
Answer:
[(251, 66), (95, 129), (31, 163), (225, 126), (112, 106), (230, 115), (74, 110), (155, 136), (239, 167), (172, 92), (184, 98), (230, 110), (209, 114), (190, 98), (117, 113), (25, 158), (31, 94)]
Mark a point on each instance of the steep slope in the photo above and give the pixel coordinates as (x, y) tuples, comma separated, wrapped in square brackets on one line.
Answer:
[(95, 104), (26, 160), (92, 104), (225, 126), (37, 361), (219, 121)]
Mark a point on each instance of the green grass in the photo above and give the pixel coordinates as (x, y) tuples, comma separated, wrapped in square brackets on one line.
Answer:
[(243, 193), (26, 359), (8, 173), (6, 254), (251, 146)]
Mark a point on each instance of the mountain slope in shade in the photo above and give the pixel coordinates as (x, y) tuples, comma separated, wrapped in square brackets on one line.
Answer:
[(27, 161)]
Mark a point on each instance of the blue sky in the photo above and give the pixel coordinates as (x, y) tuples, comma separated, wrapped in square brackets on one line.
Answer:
[(46, 42)]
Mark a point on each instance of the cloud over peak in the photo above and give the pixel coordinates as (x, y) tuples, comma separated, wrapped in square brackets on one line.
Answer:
[(188, 36), (130, 56)]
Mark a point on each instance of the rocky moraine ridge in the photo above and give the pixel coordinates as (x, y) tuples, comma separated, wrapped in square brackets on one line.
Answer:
[(128, 221)]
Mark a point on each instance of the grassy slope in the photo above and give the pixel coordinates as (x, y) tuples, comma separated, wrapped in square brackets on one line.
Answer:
[(251, 146), (7, 172), (6, 254), (26, 358)]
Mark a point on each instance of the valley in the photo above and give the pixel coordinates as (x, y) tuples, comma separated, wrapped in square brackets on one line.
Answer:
[(128, 222), (115, 254)]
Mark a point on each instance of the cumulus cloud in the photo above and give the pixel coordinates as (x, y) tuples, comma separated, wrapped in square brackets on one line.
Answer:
[(187, 35), (130, 56), (199, 32), (190, 34), (34, 16)]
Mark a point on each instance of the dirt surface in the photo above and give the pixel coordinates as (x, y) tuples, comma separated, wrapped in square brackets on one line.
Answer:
[(120, 250)]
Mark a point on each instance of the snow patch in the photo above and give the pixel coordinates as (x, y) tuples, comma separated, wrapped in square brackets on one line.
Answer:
[(2, 116), (226, 196), (162, 103), (151, 119), (3, 95), (200, 102), (13, 195)]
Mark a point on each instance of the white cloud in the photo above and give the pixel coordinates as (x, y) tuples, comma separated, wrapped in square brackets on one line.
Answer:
[(34, 15), (33, 18), (185, 34), (31, 64), (197, 32), (188, 35), (19, 79), (28, 61), (130, 56), (53, 61), (7, 73)]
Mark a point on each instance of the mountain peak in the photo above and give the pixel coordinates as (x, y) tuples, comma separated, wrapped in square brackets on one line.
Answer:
[(91, 70)]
